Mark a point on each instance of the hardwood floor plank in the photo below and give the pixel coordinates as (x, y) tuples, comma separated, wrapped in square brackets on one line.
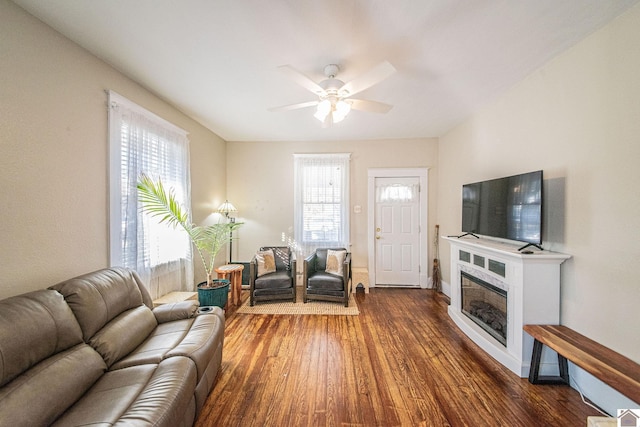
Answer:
[(401, 362)]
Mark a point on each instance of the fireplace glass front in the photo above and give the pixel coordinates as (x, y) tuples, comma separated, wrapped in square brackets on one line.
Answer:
[(485, 304)]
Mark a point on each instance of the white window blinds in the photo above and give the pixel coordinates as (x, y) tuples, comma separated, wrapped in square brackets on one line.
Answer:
[(321, 201), (141, 142)]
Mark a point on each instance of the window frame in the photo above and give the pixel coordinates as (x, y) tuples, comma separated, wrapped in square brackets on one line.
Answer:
[(152, 275), (302, 204)]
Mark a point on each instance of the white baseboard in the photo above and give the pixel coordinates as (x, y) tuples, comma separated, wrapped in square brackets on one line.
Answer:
[(602, 395), (446, 288)]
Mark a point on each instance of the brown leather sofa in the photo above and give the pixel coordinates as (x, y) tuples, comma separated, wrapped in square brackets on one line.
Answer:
[(93, 351)]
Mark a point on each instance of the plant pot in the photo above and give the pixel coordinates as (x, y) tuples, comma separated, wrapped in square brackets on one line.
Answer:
[(214, 295)]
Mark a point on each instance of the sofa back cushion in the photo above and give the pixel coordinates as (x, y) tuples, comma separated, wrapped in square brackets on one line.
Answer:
[(33, 327), (99, 297), (44, 392), (110, 309)]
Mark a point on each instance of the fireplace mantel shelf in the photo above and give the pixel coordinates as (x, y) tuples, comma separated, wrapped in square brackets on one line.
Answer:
[(532, 282), (507, 249)]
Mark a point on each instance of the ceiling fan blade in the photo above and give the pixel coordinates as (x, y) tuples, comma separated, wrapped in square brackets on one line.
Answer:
[(368, 79), (302, 79), (369, 106), (294, 106)]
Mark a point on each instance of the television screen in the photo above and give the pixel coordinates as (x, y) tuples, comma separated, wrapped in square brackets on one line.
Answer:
[(508, 208)]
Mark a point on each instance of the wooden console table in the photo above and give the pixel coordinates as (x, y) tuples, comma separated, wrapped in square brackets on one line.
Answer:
[(234, 271), (608, 366)]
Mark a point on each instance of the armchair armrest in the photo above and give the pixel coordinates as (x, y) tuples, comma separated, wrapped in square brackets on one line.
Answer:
[(253, 271), (346, 268), (176, 311), (294, 270), (310, 263)]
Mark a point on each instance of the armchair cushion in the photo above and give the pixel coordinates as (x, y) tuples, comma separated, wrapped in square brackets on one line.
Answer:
[(323, 281), (266, 262), (275, 280), (335, 260)]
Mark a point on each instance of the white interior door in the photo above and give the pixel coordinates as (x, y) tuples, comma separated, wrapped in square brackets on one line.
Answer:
[(397, 231)]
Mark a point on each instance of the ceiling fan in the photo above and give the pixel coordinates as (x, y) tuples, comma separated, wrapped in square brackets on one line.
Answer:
[(334, 96)]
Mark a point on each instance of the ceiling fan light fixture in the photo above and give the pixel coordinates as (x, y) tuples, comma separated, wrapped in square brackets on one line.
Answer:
[(337, 109), (334, 96), (340, 110), (323, 110)]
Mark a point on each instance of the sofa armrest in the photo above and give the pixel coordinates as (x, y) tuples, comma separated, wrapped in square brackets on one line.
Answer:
[(176, 311)]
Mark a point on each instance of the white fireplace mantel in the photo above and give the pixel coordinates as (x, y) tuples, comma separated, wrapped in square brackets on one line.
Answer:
[(532, 282)]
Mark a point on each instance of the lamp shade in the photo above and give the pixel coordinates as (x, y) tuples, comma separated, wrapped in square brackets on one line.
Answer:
[(226, 208)]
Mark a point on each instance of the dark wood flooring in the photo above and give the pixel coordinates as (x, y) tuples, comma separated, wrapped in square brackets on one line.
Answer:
[(401, 362)]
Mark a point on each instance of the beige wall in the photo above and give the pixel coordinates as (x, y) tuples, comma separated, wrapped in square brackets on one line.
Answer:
[(53, 162), (578, 119), (260, 185)]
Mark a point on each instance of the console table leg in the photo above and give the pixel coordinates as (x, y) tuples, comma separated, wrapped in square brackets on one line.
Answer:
[(564, 368), (534, 368)]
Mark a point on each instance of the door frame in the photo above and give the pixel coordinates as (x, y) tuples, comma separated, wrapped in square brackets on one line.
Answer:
[(422, 174)]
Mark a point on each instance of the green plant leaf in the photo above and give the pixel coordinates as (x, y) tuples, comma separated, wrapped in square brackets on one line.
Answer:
[(163, 205)]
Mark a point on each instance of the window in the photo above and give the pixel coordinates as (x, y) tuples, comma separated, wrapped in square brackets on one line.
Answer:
[(140, 142), (396, 192), (321, 201)]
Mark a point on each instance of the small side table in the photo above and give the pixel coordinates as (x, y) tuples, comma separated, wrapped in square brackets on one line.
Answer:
[(234, 271), (359, 275)]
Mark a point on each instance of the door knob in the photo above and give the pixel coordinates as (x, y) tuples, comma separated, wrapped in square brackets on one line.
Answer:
[(377, 237)]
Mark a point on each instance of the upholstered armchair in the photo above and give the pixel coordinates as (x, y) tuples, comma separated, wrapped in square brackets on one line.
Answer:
[(272, 275), (326, 276)]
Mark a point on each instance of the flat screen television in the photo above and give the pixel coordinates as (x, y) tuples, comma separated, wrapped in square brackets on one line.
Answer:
[(507, 208)]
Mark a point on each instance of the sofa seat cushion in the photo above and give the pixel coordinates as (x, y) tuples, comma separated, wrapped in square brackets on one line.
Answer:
[(277, 280), (199, 344), (157, 344), (200, 339), (52, 385), (322, 281), (195, 338), (123, 334), (155, 394)]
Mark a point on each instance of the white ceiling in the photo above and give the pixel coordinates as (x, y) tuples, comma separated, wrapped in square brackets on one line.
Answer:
[(216, 60)]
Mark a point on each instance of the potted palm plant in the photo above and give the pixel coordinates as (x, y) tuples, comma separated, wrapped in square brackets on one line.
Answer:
[(208, 240)]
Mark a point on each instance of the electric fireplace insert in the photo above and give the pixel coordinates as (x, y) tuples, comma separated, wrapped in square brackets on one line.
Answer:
[(485, 304)]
